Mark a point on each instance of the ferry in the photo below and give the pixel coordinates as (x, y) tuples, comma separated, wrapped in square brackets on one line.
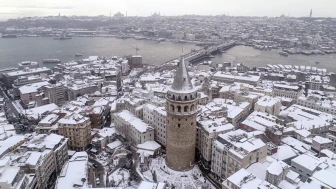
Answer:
[(62, 37), (78, 55), (283, 53), (51, 61), (9, 36), (32, 35), (160, 40)]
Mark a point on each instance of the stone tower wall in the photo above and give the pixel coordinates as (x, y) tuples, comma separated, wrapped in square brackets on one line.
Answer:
[(181, 131)]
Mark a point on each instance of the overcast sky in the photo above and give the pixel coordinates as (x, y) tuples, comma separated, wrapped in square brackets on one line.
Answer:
[(20, 8)]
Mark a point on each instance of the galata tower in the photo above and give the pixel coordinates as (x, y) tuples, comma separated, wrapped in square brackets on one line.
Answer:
[(181, 121)]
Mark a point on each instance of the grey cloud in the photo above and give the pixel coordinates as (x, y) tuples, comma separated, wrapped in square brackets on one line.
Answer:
[(40, 7)]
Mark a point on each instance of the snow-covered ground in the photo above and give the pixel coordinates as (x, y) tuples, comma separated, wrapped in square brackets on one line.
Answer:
[(191, 179), (120, 178)]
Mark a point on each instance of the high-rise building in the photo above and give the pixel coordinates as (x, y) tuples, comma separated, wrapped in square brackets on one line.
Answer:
[(181, 121)]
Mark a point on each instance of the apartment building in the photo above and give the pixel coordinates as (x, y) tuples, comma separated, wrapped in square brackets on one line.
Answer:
[(42, 157), (288, 91), (243, 179), (55, 93), (235, 150), (269, 105), (24, 80), (74, 173), (132, 128), (9, 77), (206, 132), (77, 129), (160, 116), (331, 135), (316, 103)]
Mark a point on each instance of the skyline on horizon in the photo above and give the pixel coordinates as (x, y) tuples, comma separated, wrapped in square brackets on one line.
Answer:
[(298, 8)]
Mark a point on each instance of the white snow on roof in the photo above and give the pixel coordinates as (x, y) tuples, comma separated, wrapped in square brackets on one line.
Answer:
[(8, 174), (307, 161), (303, 133), (38, 111), (73, 119), (284, 184), (267, 101), (33, 158), (286, 86), (327, 177), (32, 88), (74, 172), (133, 121), (147, 185), (240, 140), (114, 144), (49, 119), (296, 144), (284, 152), (251, 181), (149, 145), (328, 153), (321, 140), (106, 132), (215, 125), (259, 168), (277, 167)]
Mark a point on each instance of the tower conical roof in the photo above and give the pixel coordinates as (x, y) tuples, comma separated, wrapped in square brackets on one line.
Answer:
[(182, 80)]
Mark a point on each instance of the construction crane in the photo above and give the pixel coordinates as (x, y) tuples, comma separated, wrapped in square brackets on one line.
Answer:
[(136, 49)]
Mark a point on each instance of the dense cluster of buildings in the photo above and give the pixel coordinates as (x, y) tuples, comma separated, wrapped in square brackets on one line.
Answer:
[(266, 127), (306, 35)]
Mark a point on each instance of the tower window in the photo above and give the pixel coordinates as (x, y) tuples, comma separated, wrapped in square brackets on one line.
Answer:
[(172, 108), (186, 108), (185, 98), (178, 108), (184, 79), (192, 108), (178, 125)]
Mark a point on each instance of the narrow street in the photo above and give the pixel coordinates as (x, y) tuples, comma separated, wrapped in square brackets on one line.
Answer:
[(11, 110), (95, 173)]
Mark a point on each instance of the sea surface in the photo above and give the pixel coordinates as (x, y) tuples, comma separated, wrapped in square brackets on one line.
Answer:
[(16, 50), (13, 51)]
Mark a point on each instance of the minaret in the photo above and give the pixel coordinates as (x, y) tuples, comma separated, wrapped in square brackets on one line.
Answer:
[(181, 110), (311, 13)]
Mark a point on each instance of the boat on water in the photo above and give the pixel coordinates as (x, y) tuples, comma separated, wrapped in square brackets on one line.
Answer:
[(9, 36), (51, 61), (160, 40), (211, 56), (306, 52), (283, 53), (78, 55), (62, 37), (32, 35), (223, 51), (181, 41)]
